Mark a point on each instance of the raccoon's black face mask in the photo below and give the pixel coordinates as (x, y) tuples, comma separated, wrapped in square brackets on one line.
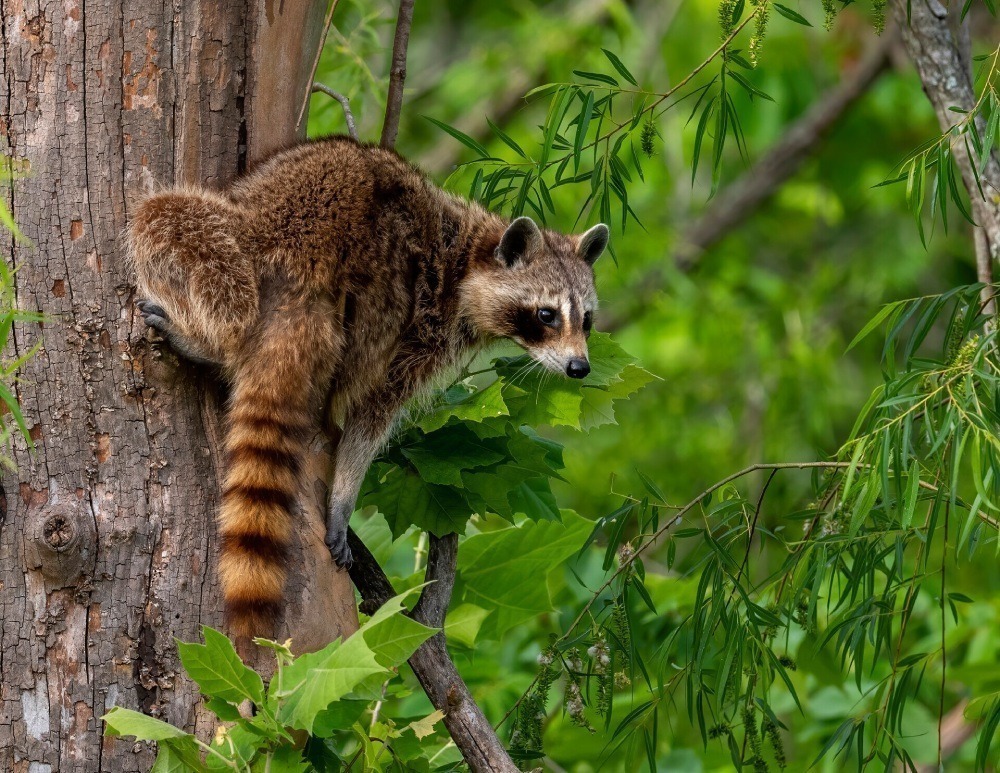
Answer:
[(544, 296)]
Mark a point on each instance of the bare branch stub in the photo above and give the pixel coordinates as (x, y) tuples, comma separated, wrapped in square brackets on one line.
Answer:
[(397, 75), (345, 103), (433, 667)]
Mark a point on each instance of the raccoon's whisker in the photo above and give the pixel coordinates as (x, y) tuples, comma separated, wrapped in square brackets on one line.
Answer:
[(545, 373), (522, 373)]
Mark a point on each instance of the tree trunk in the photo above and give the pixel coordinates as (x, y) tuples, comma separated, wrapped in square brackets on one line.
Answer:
[(107, 530)]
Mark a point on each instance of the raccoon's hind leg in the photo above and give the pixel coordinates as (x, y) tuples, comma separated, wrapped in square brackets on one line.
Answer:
[(198, 288)]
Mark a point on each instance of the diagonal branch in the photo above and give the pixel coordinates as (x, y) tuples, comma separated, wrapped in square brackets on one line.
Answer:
[(744, 196), (434, 669), (397, 75), (740, 199), (442, 564)]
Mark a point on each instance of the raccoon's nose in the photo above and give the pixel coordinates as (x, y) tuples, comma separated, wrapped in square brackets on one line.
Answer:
[(577, 368)]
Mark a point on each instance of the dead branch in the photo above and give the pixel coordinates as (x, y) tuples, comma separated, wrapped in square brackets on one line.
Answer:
[(743, 197), (397, 75), (740, 199), (434, 669)]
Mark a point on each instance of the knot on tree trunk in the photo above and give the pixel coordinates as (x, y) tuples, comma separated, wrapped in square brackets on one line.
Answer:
[(61, 541)]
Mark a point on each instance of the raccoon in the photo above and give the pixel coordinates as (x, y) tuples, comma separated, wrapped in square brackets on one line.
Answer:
[(330, 285)]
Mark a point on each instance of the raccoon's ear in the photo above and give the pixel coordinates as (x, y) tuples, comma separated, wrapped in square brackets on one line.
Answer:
[(593, 242), (517, 241)]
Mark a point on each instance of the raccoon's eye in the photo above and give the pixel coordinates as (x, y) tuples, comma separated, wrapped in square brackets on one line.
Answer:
[(547, 316), (588, 321)]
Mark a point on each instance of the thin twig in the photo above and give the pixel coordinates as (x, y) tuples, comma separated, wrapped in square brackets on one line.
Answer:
[(315, 66), (345, 103), (397, 75), (626, 565), (753, 525)]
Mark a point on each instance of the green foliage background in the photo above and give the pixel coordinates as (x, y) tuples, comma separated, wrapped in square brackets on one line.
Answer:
[(771, 649), (750, 354)]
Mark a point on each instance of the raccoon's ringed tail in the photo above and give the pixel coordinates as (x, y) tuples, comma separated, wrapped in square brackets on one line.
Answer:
[(265, 445)]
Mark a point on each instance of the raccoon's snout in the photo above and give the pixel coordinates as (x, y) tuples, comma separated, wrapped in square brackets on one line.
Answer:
[(577, 368)]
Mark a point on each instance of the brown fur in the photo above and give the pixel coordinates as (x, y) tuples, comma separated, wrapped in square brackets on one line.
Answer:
[(336, 280)]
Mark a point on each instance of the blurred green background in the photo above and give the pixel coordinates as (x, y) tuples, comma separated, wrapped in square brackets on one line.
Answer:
[(749, 344)]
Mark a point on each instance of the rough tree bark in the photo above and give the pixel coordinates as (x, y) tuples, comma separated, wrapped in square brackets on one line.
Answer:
[(937, 40), (107, 535)]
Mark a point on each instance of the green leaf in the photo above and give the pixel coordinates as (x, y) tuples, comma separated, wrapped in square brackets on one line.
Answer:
[(224, 710), (912, 491), (461, 136), (171, 759), (553, 120), (463, 405), (284, 759), (752, 90), (699, 136), (596, 76), (545, 88), (178, 750), (537, 400), (597, 407), (583, 123), (218, 670), (502, 571), (618, 65), (874, 322), (507, 139), (338, 717), (316, 680), (462, 624), (121, 721), (15, 409), (441, 456), (607, 359), (794, 16), (534, 498), (393, 636), (407, 500)]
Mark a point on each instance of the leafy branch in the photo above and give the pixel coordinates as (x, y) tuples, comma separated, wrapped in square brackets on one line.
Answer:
[(568, 134)]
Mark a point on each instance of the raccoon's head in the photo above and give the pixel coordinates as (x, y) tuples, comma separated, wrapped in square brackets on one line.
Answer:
[(539, 292)]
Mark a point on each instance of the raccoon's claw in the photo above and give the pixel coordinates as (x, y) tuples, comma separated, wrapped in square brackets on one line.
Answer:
[(340, 551), (154, 316)]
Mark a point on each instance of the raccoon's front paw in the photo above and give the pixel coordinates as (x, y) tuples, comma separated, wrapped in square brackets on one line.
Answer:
[(154, 316), (336, 541)]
